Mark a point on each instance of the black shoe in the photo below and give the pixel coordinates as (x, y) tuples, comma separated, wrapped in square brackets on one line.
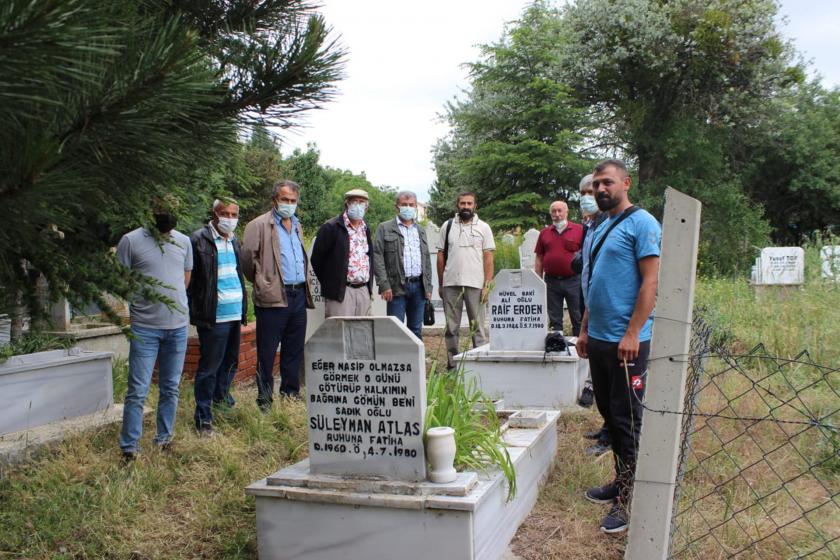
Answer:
[(602, 494), (206, 431), (129, 457), (265, 407), (616, 520), (587, 397), (165, 447), (594, 434), (598, 449)]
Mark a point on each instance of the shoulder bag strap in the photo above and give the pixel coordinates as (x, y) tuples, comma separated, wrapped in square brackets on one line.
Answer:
[(594, 254), (446, 240)]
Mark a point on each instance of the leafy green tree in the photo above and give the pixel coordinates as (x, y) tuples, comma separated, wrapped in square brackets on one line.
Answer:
[(104, 105), (304, 168), (518, 137)]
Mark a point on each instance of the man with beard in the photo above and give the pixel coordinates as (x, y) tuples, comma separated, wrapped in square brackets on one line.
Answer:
[(616, 326), (158, 330), (465, 269)]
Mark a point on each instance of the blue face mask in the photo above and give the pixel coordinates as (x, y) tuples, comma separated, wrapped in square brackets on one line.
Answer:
[(588, 204), (356, 211), (408, 213), (286, 210)]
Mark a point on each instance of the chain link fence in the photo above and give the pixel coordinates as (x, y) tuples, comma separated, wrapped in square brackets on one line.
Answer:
[(759, 474)]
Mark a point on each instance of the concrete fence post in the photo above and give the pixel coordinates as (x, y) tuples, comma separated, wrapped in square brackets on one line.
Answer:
[(656, 468)]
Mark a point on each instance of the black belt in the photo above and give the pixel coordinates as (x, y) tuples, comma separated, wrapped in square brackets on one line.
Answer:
[(414, 279), (357, 284), (561, 277), (295, 286)]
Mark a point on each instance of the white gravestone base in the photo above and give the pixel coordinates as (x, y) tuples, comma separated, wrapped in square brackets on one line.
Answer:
[(304, 522)]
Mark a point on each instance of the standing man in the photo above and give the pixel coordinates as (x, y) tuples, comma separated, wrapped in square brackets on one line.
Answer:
[(218, 306), (616, 328), (158, 330), (402, 265), (465, 269), (555, 249), (274, 260), (342, 259)]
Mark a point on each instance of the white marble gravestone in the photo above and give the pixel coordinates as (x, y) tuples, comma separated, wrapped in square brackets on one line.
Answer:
[(432, 240), (526, 250), (781, 266), (518, 311), (830, 258), (366, 399), (508, 239)]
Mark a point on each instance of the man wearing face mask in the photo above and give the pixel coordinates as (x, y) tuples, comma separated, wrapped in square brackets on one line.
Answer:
[(342, 259), (274, 261), (465, 270), (159, 331), (402, 265), (218, 305), (556, 247)]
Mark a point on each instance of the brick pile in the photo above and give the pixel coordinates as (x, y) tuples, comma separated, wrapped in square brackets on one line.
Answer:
[(247, 356)]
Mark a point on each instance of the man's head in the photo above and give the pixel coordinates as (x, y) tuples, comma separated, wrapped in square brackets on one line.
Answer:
[(559, 211), (406, 205), (225, 215), (585, 186), (588, 205), (466, 205), (611, 181), (284, 196), (356, 204), (164, 210)]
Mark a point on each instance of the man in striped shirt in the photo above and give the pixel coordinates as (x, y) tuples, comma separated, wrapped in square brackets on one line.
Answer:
[(218, 307)]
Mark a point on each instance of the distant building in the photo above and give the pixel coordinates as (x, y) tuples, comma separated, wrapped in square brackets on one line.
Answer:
[(421, 211)]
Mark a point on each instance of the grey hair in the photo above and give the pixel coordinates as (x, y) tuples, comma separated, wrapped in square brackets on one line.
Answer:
[(406, 194), (585, 181), (284, 183), (219, 202)]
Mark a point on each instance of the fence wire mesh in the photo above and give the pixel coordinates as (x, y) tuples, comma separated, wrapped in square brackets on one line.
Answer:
[(759, 472)]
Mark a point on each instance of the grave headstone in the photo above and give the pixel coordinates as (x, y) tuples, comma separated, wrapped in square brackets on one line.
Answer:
[(830, 258), (508, 239), (366, 399), (314, 317), (518, 311), (781, 266), (432, 240), (526, 250)]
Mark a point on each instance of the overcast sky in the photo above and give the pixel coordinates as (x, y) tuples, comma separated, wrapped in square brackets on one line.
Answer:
[(406, 61)]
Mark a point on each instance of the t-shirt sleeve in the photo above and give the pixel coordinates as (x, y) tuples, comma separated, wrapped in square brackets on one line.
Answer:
[(442, 237), (648, 237), (488, 243), (188, 256), (124, 251)]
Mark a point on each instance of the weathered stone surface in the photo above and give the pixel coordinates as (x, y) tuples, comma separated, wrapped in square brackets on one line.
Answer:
[(518, 311), (526, 250), (780, 266)]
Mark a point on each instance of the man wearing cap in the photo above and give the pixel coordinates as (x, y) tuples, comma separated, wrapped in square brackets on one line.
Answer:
[(342, 258), (274, 260)]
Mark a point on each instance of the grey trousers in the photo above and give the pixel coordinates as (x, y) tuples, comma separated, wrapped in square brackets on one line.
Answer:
[(356, 303), (454, 298), (558, 289)]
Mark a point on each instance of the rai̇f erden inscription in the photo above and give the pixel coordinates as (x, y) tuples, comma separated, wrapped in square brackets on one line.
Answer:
[(366, 399), (518, 311)]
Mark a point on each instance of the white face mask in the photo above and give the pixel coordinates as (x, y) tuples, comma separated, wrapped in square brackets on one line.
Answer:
[(560, 225), (227, 225), (356, 211)]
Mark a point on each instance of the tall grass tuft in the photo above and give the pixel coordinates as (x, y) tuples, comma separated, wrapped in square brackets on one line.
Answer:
[(455, 402)]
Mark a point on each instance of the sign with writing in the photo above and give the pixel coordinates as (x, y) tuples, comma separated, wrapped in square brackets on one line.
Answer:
[(830, 257), (526, 250), (366, 399), (781, 265), (518, 311)]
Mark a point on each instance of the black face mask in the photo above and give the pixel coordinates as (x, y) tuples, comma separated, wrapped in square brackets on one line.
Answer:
[(465, 214), (165, 222)]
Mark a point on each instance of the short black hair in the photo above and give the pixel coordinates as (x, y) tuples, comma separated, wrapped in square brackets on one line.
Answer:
[(617, 163)]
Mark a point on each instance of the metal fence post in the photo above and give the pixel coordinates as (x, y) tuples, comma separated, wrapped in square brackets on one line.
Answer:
[(656, 468)]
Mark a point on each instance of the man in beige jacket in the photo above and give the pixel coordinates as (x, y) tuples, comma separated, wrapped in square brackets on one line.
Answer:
[(274, 261)]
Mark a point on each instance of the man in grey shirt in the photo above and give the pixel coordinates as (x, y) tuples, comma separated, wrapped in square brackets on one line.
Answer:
[(159, 331)]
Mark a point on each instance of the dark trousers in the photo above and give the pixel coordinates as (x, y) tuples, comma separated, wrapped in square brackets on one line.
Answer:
[(557, 290), (285, 326), (619, 404), (219, 348), (411, 305)]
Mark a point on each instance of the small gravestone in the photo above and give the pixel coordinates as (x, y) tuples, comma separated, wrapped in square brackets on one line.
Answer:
[(366, 385), (508, 239), (432, 240), (314, 317), (781, 266), (526, 250), (830, 258), (518, 311)]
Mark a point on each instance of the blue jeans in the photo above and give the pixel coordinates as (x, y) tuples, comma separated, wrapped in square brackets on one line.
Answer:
[(219, 358), (285, 326), (147, 344), (412, 305)]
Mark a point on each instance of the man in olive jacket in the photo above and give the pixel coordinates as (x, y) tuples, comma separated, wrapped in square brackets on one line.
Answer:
[(402, 265), (274, 260)]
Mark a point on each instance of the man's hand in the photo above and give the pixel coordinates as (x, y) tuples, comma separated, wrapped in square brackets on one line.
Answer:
[(628, 347), (388, 295), (429, 296), (485, 291), (580, 345)]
